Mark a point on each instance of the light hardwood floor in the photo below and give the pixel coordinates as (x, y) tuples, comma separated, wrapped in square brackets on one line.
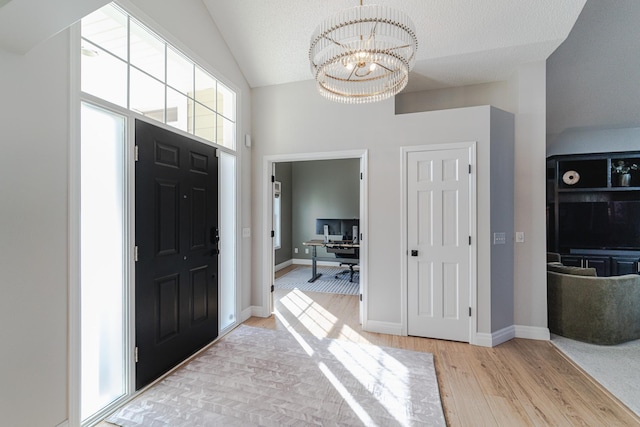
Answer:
[(518, 383)]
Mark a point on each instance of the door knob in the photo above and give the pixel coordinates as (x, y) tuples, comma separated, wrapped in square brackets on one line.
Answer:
[(414, 252)]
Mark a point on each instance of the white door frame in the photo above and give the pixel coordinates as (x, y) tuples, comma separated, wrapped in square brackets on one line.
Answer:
[(267, 209), (473, 271)]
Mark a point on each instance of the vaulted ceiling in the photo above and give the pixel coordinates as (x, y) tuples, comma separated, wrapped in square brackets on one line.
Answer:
[(461, 42)]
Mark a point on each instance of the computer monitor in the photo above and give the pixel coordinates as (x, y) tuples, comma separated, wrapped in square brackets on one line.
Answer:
[(334, 226), (348, 227)]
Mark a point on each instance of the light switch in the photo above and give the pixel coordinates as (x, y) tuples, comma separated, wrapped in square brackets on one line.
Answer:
[(519, 236), (499, 238)]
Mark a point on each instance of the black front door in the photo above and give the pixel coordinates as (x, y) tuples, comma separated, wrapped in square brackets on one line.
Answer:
[(176, 207)]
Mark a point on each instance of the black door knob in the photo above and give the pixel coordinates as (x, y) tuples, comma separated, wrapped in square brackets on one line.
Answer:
[(414, 252)]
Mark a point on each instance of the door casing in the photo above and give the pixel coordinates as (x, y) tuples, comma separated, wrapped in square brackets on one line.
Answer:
[(267, 273), (473, 276)]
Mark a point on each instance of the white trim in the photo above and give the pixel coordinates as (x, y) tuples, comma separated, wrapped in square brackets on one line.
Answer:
[(384, 327), (74, 229), (532, 332), (65, 423), (282, 265), (514, 331), (266, 275), (474, 337), (245, 314), (495, 338)]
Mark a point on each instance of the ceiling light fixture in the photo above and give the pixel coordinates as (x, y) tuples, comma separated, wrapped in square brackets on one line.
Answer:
[(363, 54)]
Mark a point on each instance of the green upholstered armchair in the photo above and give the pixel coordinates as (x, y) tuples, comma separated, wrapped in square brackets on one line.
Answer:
[(598, 310)]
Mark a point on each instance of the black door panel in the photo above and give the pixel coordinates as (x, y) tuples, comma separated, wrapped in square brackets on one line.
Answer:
[(176, 274)]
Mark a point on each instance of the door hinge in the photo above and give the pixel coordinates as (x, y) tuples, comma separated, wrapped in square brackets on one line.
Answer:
[(273, 233), (135, 153), (469, 311), (217, 153), (273, 288), (273, 178), (469, 168), (469, 240), (360, 297), (135, 253), (135, 354), (361, 175)]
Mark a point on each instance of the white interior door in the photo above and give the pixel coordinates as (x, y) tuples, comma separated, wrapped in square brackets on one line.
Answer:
[(438, 263)]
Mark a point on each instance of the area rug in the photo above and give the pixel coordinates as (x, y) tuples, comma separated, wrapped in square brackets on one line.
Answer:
[(327, 283), (615, 367), (263, 377)]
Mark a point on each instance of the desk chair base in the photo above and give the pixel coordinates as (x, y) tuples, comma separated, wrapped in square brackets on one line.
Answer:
[(350, 271)]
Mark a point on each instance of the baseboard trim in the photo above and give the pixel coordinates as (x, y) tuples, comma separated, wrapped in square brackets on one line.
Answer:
[(495, 338), (532, 332), (383, 327), (253, 311), (302, 261), (65, 423), (283, 265), (514, 331)]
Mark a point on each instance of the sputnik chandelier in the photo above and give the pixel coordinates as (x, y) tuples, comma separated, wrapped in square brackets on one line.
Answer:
[(363, 54)]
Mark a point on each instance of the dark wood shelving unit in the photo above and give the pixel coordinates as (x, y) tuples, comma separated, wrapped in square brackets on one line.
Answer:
[(593, 213)]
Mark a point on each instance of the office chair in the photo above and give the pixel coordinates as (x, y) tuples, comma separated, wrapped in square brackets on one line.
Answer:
[(349, 257)]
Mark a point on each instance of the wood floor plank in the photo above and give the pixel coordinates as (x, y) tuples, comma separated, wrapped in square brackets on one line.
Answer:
[(521, 382)]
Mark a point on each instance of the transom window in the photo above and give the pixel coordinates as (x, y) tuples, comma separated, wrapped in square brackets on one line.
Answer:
[(127, 64)]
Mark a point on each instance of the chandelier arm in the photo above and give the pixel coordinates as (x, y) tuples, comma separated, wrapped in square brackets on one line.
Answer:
[(351, 73), (333, 41), (399, 47), (383, 66)]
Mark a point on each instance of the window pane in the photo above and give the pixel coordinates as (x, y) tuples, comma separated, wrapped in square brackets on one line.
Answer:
[(205, 123), (107, 27), (205, 88), (102, 259), (226, 133), (227, 240), (147, 51), (179, 72), (179, 108), (103, 75), (147, 95), (226, 102)]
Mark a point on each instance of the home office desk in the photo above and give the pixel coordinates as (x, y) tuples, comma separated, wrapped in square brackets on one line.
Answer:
[(336, 244)]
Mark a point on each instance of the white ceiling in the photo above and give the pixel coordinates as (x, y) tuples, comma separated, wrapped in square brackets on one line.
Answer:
[(461, 42)]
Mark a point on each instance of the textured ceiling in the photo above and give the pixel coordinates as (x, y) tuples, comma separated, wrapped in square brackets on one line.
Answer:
[(461, 42)]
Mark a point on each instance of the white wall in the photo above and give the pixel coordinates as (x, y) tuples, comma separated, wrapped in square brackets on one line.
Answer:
[(34, 245), (293, 118), (34, 120), (524, 95)]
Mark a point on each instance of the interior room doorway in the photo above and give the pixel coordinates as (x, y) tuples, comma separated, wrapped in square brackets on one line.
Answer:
[(305, 252)]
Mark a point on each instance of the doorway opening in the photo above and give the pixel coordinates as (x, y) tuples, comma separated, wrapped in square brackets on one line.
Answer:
[(317, 197)]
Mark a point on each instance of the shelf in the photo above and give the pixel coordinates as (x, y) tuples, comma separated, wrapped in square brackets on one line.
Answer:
[(598, 189)]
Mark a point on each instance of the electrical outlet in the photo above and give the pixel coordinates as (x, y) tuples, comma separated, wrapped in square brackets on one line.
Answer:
[(519, 236), (295, 250), (246, 232), (499, 238), (306, 250)]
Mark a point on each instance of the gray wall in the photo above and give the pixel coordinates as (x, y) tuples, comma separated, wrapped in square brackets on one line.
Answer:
[(322, 189), (593, 95), (283, 174)]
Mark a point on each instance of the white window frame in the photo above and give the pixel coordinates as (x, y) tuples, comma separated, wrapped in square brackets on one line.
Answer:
[(76, 98)]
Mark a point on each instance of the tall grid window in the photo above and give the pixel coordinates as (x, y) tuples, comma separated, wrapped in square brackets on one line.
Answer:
[(127, 64)]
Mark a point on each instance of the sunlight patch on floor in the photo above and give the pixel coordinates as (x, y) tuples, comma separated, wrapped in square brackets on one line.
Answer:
[(383, 376)]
